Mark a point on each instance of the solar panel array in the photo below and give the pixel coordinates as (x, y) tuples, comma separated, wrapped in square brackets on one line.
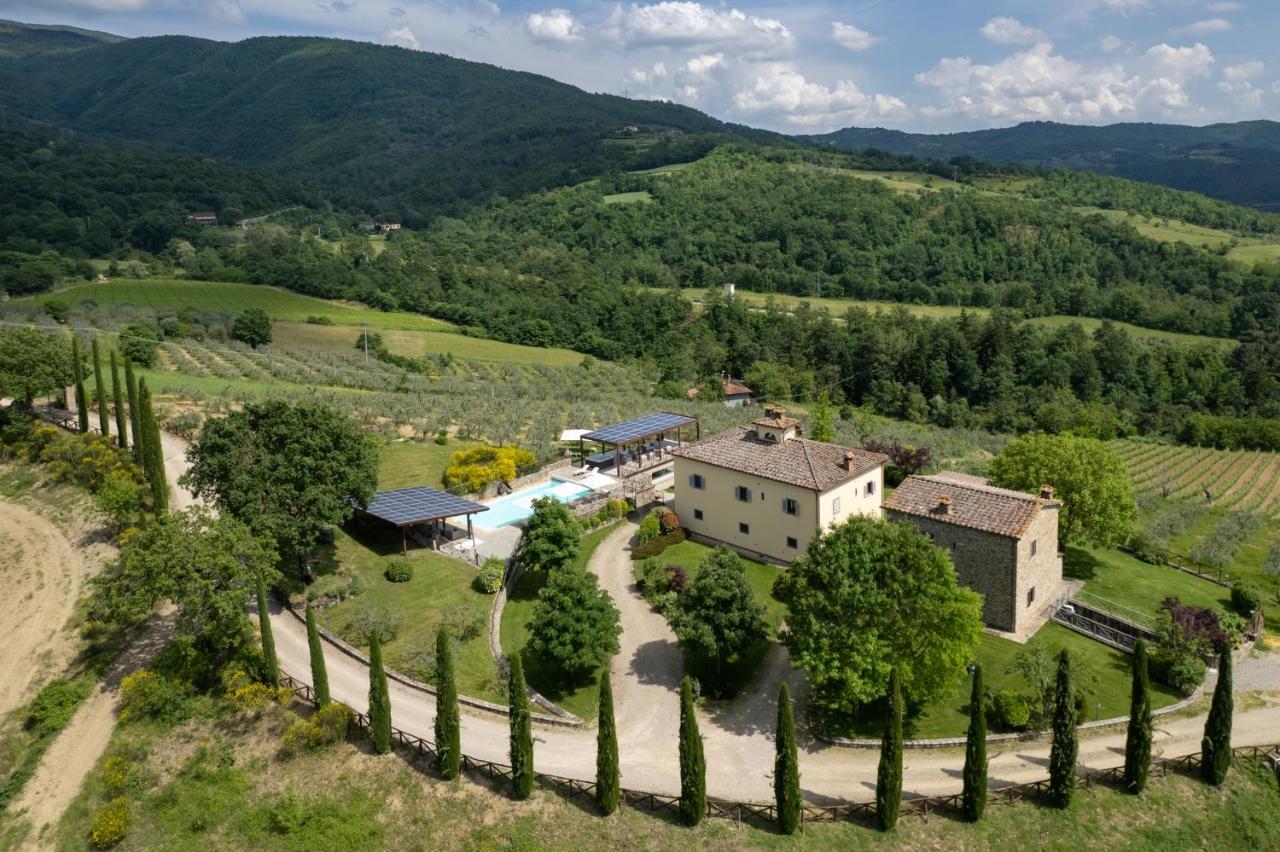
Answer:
[(641, 427), (413, 505)]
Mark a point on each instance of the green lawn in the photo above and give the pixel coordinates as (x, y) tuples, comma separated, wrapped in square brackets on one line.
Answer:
[(279, 304), (513, 633), (1117, 576), (1103, 672), (416, 343), (641, 197), (402, 464), (440, 591)]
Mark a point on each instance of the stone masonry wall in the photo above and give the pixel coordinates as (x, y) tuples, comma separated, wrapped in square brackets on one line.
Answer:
[(984, 563), (1041, 572)]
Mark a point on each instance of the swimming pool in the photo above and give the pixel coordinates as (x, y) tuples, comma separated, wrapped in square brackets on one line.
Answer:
[(519, 505)]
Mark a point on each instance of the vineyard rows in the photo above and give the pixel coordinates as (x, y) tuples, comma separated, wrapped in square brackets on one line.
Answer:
[(1240, 481)]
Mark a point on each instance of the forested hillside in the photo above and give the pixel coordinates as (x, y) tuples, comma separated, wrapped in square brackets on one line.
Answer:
[(1236, 162), (17, 39), (395, 132)]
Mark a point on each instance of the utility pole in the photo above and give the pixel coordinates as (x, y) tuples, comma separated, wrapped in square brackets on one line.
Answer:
[(364, 335)]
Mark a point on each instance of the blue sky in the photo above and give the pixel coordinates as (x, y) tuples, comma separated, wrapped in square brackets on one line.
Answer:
[(804, 66)]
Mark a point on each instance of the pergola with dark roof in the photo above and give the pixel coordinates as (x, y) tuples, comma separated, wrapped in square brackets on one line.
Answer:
[(409, 507), (635, 431)]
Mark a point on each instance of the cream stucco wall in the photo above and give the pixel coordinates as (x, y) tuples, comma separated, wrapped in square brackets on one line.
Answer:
[(769, 527)]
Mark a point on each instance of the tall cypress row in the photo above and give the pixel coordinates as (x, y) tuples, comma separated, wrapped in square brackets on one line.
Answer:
[(131, 388), (448, 725), (1137, 743), (141, 432), (521, 733), (786, 766), (319, 674), (100, 391), (269, 661), (379, 699), (117, 402), (693, 762), (152, 451), (1062, 755), (889, 773), (608, 774), (77, 368), (974, 799), (1216, 745)]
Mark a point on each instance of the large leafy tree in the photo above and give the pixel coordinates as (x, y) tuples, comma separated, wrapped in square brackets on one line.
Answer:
[(574, 628), (551, 536), (869, 596), (33, 362), (253, 327), (1090, 480), (718, 615), (208, 565), (286, 469)]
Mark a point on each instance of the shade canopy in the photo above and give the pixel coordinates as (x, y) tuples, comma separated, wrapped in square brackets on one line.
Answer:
[(639, 428), (405, 507)]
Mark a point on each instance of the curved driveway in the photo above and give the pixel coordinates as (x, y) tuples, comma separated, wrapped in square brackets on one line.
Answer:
[(738, 736)]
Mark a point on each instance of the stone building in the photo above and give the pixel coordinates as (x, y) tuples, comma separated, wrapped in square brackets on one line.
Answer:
[(766, 491), (1004, 544)]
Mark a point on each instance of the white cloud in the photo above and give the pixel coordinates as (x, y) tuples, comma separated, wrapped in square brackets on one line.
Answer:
[(1037, 84), (556, 26), (780, 88), (851, 38), (1010, 31), (1222, 8), (1243, 93), (689, 24), (1110, 43), (704, 63), (1205, 27), (228, 10), (404, 37), (1243, 71), (1124, 7)]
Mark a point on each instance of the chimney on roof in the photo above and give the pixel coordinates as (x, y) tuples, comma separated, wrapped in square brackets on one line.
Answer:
[(1046, 492), (848, 461), (944, 505)]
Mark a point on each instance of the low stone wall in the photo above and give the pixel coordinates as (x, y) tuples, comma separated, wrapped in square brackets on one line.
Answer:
[(563, 718)]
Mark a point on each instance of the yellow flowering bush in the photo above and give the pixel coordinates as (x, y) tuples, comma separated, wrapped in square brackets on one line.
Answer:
[(112, 823)]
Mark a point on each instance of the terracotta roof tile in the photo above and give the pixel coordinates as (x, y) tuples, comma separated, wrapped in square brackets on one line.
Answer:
[(808, 464), (971, 503)]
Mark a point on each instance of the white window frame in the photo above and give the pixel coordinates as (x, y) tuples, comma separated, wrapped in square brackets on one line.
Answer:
[(835, 506)]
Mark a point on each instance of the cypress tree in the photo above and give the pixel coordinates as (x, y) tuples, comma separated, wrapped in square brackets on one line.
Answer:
[(521, 733), (1137, 744), (1216, 746), (1062, 755), (117, 401), (448, 725), (152, 450), (786, 766), (82, 402), (693, 763), (319, 674), (889, 774), (608, 776), (131, 388), (141, 435), (100, 391), (379, 699), (974, 800), (270, 663)]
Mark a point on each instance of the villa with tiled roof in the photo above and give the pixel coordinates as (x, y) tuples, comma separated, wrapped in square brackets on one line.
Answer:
[(765, 490), (1004, 544)]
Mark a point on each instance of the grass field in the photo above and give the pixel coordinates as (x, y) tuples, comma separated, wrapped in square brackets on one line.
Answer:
[(282, 305), (1117, 577), (1248, 250), (582, 699), (664, 170), (416, 343), (912, 182), (219, 782), (439, 592), (837, 306), (402, 464), (642, 197)]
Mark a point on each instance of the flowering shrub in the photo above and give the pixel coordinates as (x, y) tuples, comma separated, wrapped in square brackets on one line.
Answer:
[(148, 695), (325, 727), (489, 578), (112, 823)]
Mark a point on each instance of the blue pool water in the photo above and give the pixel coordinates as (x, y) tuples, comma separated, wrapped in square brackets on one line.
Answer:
[(518, 506)]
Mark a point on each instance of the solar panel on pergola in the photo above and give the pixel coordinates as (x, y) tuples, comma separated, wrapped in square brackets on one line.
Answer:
[(639, 428), (406, 507)]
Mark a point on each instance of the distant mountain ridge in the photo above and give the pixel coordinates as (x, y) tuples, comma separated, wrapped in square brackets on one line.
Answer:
[(393, 131), (1237, 162)]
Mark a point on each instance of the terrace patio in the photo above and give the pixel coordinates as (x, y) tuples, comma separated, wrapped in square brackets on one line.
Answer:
[(636, 447)]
